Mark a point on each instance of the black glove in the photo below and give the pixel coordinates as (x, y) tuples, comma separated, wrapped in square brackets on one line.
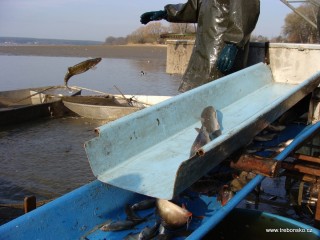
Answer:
[(153, 16), (227, 58)]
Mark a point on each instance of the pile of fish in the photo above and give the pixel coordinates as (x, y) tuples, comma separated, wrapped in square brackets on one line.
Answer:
[(169, 219)]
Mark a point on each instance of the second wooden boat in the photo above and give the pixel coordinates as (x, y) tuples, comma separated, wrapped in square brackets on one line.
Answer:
[(109, 107)]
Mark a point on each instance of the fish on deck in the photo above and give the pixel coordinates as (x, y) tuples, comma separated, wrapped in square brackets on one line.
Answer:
[(80, 68)]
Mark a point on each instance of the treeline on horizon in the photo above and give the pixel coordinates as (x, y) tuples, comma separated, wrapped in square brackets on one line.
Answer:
[(294, 30), (42, 41)]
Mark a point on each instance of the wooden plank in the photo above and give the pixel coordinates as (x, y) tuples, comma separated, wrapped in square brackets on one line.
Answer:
[(306, 158), (265, 166), (302, 177), (30, 203), (301, 168)]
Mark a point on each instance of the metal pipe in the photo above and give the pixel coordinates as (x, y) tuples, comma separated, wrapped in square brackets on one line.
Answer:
[(223, 211), (300, 14)]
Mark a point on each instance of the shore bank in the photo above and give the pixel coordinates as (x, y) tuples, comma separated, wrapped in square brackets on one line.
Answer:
[(104, 51)]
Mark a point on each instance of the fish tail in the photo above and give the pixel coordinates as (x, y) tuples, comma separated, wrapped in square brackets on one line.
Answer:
[(66, 79)]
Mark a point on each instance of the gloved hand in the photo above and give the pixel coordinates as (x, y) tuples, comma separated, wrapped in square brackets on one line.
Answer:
[(153, 16), (227, 57)]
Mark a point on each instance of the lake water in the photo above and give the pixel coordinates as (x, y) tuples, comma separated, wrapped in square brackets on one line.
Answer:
[(46, 158), (28, 71)]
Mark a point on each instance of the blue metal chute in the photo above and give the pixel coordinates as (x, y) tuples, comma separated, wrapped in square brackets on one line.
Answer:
[(148, 151)]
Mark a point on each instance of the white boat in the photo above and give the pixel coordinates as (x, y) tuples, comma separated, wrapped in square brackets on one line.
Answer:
[(109, 107)]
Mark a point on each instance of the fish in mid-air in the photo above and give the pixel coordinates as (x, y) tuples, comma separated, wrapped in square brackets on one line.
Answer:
[(80, 68)]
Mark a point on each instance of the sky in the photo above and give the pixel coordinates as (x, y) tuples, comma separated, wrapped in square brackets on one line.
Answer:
[(99, 19)]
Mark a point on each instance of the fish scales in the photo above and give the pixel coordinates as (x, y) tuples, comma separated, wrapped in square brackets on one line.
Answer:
[(80, 68)]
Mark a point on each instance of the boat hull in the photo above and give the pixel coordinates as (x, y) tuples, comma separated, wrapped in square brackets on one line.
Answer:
[(98, 107), (80, 214), (18, 106), (109, 107)]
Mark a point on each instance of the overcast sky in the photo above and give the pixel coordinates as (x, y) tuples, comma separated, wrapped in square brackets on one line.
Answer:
[(98, 19)]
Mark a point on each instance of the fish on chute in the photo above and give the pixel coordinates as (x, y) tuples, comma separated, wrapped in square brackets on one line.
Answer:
[(80, 68), (210, 129)]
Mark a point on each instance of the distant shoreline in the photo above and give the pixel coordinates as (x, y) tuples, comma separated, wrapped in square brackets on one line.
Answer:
[(105, 51)]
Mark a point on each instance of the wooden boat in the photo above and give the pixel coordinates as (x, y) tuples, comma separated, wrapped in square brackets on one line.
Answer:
[(109, 107), (18, 106)]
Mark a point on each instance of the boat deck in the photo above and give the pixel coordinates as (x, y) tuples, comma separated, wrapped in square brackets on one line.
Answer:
[(101, 203)]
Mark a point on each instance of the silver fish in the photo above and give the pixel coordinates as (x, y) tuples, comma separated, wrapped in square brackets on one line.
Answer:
[(80, 68), (265, 137), (145, 234), (144, 204), (131, 215), (276, 128), (123, 224), (149, 232), (120, 225), (202, 139), (209, 120)]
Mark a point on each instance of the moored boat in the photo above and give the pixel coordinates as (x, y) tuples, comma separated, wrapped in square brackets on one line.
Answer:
[(18, 106), (109, 107)]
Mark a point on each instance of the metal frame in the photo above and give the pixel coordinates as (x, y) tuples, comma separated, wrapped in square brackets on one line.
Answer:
[(314, 2)]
